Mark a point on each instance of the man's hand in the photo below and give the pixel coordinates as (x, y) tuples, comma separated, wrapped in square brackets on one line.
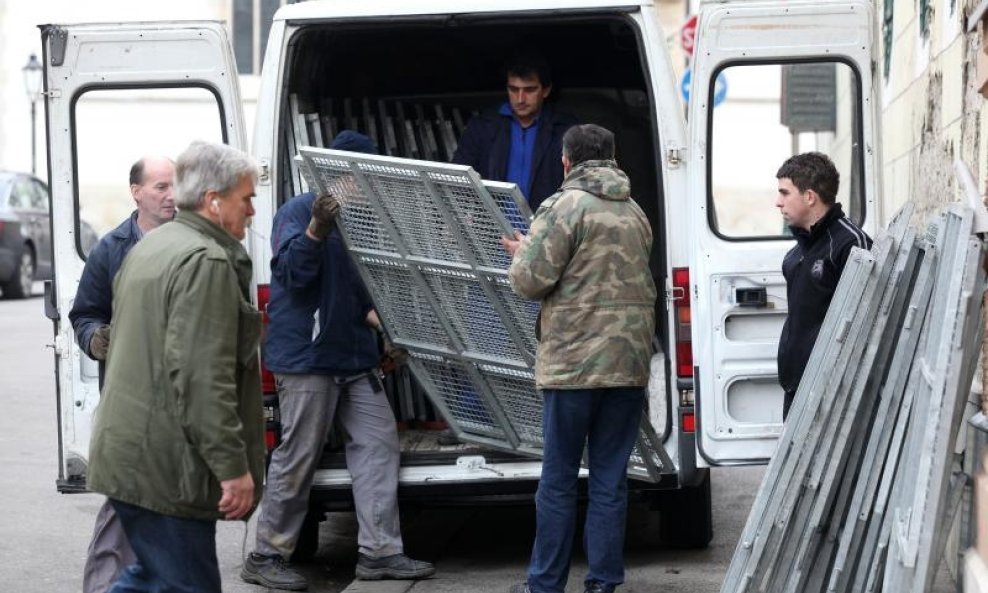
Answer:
[(99, 342), (238, 496), (512, 245), (393, 356), (325, 209)]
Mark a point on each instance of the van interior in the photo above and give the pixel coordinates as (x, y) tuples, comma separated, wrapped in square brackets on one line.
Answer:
[(412, 84)]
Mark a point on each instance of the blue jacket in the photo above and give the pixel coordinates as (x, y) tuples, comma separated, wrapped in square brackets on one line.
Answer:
[(485, 143), (318, 306), (93, 304)]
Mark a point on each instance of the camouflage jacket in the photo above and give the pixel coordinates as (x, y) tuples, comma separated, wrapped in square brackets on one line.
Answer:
[(586, 259)]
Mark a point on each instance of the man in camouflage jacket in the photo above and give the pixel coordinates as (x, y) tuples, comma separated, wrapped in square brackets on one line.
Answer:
[(586, 260)]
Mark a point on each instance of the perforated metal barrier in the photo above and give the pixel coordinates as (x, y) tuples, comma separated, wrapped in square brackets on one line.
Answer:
[(426, 239)]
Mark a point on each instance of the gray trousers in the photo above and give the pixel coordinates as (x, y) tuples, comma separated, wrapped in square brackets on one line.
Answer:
[(109, 552), (308, 404)]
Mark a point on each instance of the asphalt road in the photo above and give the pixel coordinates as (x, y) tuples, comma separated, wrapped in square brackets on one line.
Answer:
[(44, 535)]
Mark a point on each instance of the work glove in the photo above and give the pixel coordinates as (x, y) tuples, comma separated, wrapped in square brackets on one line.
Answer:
[(392, 357), (324, 212), (99, 342)]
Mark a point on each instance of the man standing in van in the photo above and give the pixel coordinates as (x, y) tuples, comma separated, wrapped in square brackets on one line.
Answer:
[(521, 141), (151, 186), (178, 439), (322, 347), (586, 260), (824, 236)]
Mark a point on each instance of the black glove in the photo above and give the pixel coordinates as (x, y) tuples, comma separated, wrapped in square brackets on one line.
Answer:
[(99, 343), (324, 212)]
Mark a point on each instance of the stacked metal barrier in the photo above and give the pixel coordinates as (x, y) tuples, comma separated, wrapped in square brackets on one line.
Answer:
[(425, 237), (859, 491)]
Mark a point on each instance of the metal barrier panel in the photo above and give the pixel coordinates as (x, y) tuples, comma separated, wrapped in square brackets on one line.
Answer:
[(425, 237)]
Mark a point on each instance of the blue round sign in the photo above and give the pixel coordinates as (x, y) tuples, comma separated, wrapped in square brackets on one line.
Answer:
[(720, 87)]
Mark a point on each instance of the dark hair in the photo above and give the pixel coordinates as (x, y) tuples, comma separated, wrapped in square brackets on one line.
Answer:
[(588, 142), (529, 62), (137, 172), (812, 170)]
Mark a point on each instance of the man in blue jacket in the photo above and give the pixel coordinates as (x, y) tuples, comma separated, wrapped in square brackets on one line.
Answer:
[(521, 141), (322, 347), (151, 186)]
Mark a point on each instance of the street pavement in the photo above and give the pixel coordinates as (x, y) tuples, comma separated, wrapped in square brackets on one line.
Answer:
[(44, 534)]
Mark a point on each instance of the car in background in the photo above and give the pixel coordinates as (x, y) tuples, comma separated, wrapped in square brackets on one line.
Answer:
[(25, 234)]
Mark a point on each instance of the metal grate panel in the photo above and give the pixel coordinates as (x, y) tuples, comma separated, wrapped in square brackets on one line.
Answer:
[(425, 237)]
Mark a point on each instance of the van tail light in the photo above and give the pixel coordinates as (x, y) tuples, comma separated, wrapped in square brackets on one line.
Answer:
[(688, 422), (272, 419), (263, 296), (683, 322)]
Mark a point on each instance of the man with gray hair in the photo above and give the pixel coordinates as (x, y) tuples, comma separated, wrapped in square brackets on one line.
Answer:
[(586, 259), (178, 437)]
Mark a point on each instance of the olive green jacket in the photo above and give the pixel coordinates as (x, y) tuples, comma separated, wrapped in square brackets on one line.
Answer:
[(586, 258), (181, 408)]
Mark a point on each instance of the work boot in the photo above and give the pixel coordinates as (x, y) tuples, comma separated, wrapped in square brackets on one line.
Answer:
[(597, 587), (272, 572), (397, 566)]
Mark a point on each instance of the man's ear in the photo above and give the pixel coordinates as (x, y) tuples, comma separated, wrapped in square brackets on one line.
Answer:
[(546, 91), (133, 191), (812, 198)]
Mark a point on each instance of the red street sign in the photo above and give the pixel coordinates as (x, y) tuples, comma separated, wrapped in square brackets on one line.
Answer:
[(687, 35)]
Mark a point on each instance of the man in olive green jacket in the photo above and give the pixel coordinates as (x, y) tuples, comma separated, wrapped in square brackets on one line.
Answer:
[(178, 440), (586, 260)]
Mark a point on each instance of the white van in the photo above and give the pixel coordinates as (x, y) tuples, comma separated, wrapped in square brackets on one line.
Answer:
[(767, 79)]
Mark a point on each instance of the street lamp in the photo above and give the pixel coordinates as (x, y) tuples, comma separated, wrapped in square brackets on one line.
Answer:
[(32, 85)]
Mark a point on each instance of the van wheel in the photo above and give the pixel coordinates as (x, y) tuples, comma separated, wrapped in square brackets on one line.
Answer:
[(21, 285), (686, 517), (308, 539)]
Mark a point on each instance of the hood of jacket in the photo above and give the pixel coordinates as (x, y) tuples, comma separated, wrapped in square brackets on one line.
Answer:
[(600, 178)]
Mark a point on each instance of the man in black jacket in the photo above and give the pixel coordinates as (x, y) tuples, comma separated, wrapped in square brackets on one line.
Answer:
[(824, 237), (522, 140)]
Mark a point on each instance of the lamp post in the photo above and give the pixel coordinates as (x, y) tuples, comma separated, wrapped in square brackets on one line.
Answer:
[(32, 85)]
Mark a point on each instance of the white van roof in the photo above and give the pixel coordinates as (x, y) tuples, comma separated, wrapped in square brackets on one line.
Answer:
[(321, 9)]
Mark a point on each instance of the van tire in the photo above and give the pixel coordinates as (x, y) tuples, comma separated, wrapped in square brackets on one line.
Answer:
[(686, 516)]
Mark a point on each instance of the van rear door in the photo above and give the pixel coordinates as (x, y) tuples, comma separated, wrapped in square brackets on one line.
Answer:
[(768, 80), (114, 93)]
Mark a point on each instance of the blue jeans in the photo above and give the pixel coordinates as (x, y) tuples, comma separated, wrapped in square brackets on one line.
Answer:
[(607, 421), (174, 555)]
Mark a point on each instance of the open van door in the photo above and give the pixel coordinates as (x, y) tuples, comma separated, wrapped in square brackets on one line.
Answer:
[(114, 93), (769, 80)]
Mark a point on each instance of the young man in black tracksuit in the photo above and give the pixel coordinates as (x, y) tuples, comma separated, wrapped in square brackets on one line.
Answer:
[(824, 237)]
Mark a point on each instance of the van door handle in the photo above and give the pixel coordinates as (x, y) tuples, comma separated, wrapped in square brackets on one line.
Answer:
[(752, 297)]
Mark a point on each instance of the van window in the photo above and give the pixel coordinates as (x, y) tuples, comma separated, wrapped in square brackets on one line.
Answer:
[(116, 127), (765, 113)]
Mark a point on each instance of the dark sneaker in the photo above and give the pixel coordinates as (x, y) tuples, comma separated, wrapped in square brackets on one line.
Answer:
[(397, 566), (519, 588), (272, 572), (597, 587)]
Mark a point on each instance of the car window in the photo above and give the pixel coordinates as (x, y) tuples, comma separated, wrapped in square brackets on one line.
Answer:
[(39, 196), (21, 196)]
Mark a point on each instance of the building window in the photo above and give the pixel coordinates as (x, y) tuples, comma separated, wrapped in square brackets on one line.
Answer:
[(250, 23)]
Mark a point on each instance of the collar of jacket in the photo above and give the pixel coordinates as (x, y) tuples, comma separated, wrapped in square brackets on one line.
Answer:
[(238, 255), (601, 178), (804, 237)]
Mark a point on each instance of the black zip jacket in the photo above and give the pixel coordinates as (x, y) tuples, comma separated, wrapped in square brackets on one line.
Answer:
[(812, 269)]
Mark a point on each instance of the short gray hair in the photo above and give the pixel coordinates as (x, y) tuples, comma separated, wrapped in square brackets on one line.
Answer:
[(588, 142), (205, 166)]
